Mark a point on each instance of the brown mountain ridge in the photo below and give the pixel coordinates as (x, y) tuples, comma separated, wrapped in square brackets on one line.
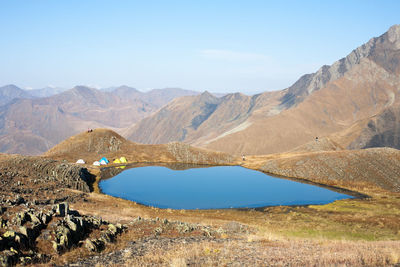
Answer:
[(33, 125), (337, 101)]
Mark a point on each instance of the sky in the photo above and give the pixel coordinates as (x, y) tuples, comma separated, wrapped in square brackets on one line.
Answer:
[(246, 46)]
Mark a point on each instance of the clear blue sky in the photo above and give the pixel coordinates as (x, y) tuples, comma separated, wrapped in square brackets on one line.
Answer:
[(217, 45)]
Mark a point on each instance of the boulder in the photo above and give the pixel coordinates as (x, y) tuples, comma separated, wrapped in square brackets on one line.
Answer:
[(21, 241), (9, 235), (9, 257), (46, 218), (21, 218), (33, 218), (90, 245), (61, 209), (112, 229)]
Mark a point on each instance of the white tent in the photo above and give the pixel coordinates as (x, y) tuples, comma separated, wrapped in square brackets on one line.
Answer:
[(80, 161), (103, 162), (96, 163)]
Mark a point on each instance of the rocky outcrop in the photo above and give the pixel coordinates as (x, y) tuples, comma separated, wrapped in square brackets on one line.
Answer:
[(375, 166), (46, 170), (184, 153), (32, 229)]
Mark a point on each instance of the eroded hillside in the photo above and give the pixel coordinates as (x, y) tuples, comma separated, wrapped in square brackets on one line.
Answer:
[(337, 101)]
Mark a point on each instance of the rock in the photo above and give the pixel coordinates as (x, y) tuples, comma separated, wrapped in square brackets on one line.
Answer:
[(90, 245), (96, 222), (99, 244), (9, 234), (158, 231), (76, 225), (9, 257), (46, 218), (29, 233), (107, 237), (64, 241), (186, 228), (45, 235), (26, 231), (94, 245), (71, 224), (3, 223), (25, 260), (207, 232), (2, 210), (19, 200), (112, 229), (63, 238), (137, 219), (21, 241), (61, 209), (33, 218), (56, 246), (21, 218)]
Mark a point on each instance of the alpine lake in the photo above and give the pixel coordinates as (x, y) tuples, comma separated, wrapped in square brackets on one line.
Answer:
[(181, 186)]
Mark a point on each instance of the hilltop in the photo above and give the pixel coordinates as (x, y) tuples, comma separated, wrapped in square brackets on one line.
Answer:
[(91, 146)]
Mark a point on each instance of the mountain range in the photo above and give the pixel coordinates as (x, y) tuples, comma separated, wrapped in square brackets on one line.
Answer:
[(32, 125), (354, 103), (351, 104)]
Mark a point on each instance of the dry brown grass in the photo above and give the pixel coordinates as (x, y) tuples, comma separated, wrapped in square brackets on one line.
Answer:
[(267, 253)]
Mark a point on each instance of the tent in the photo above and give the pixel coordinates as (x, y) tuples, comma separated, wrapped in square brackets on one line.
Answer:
[(96, 163), (117, 161), (80, 161), (104, 159), (103, 162), (123, 160)]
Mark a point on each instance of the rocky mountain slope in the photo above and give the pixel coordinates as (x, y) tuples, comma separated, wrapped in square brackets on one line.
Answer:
[(10, 92), (337, 101), (202, 117), (347, 168), (33, 125)]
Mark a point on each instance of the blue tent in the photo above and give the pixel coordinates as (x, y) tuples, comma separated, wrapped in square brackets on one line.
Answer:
[(104, 159)]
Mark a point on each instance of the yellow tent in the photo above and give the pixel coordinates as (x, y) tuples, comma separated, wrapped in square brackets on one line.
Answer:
[(123, 160), (117, 161)]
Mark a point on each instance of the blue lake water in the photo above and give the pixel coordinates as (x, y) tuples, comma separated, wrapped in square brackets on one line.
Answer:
[(212, 188)]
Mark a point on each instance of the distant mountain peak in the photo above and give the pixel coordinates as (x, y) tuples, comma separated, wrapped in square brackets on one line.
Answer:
[(376, 49), (10, 92), (81, 87), (125, 88), (207, 97), (237, 95), (394, 34), (12, 86)]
